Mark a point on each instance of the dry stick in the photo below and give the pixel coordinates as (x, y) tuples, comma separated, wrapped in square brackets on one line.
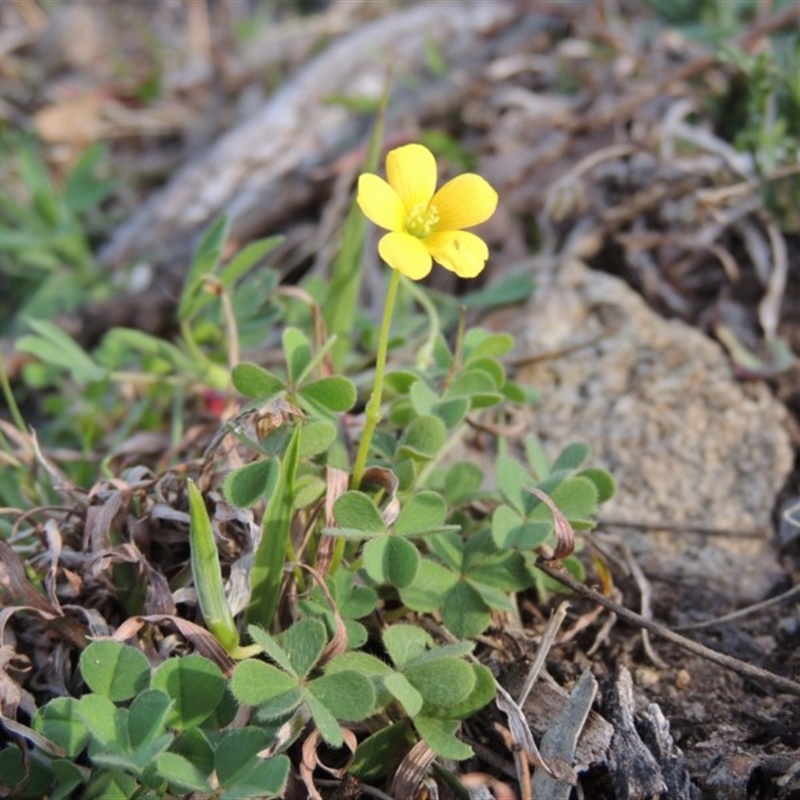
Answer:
[(742, 612), (654, 526), (559, 574), (645, 595)]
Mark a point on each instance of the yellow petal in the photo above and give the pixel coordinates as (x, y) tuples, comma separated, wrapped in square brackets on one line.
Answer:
[(459, 251), (411, 171), (380, 203), (465, 201), (406, 253)]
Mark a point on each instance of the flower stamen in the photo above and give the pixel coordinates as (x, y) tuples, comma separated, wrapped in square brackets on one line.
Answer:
[(421, 220)]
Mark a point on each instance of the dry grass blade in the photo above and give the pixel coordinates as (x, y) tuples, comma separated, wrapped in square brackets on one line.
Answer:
[(548, 638), (24, 732), (336, 482), (412, 770)]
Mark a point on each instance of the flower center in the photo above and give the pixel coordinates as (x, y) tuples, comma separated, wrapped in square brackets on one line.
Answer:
[(421, 219)]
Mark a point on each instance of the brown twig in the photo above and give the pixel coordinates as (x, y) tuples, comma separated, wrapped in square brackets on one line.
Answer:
[(684, 527), (742, 612), (559, 574)]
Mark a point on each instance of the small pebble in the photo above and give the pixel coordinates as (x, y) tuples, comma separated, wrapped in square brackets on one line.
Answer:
[(682, 679), (646, 677)]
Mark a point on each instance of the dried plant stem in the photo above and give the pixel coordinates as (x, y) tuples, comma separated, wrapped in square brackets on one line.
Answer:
[(778, 682), (699, 528), (742, 612), (549, 637)]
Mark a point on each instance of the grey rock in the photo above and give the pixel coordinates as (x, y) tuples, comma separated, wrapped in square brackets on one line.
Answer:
[(656, 399)]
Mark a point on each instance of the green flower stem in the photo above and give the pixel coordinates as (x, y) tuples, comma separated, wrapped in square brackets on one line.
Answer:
[(425, 355), (11, 402), (373, 412)]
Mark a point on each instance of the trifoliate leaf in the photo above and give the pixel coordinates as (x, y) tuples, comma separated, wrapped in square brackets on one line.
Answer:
[(480, 343), (492, 367), (180, 772), (423, 439), (429, 588), (245, 486), (333, 395), (451, 412), (316, 437), (511, 480), (399, 381), (576, 498), (60, 721), (462, 483), (443, 682), (297, 351), (114, 670), (440, 736), (256, 382), (304, 642), (357, 511), (271, 648), (325, 721), (571, 457), (449, 546), (348, 694), (255, 682), (405, 642), (392, 560), (194, 684), (381, 753), (470, 383), (537, 458), (423, 398), (422, 512), (404, 692), (147, 716), (464, 612), (482, 693), (509, 529), (603, 481)]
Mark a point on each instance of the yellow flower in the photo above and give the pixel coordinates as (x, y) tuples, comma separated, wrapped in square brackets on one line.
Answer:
[(425, 225)]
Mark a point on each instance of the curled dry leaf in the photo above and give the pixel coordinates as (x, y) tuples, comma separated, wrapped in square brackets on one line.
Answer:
[(311, 760), (12, 695), (565, 536), (18, 594), (386, 479), (202, 640)]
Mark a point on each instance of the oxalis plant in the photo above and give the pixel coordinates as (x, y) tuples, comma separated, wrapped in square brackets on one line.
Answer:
[(376, 551)]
